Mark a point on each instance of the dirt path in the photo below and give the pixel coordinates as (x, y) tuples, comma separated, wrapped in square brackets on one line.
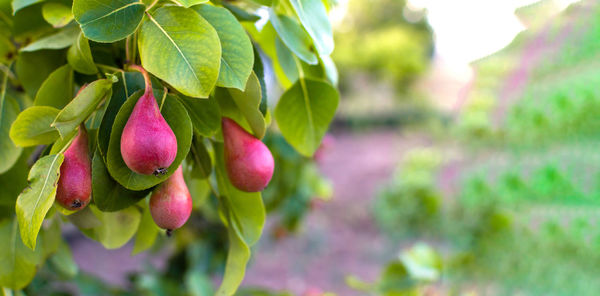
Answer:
[(339, 238)]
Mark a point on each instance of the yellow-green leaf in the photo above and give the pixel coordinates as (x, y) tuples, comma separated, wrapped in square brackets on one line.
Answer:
[(35, 201), (180, 47), (304, 113), (237, 57), (108, 20), (33, 126)]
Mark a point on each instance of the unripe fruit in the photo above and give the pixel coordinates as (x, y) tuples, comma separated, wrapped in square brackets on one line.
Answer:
[(148, 144), (75, 183), (248, 161), (171, 203)]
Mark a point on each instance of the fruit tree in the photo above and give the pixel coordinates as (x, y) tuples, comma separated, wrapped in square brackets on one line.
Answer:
[(112, 112)]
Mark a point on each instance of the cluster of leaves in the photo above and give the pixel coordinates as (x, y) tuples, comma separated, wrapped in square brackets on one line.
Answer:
[(206, 62)]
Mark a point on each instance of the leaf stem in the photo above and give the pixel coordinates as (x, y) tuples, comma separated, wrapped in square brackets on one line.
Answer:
[(134, 51), (151, 5), (146, 77), (177, 2), (128, 50), (299, 66), (3, 91), (212, 188), (162, 102), (7, 71), (107, 67)]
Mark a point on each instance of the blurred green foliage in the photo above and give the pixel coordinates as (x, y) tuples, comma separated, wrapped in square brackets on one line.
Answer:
[(410, 205), (377, 38), (409, 274), (523, 216)]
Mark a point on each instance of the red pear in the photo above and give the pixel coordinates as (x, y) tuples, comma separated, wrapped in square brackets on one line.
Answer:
[(75, 183), (148, 144), (248, 161), (171, 203)]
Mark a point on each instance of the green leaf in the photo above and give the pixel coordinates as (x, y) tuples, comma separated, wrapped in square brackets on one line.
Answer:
[(28, 25), (20, 4), (57, 14), (294, 36), (190, 3), (205, 115), (422, 263), (240, 14), (36, 200), (237, 57), (129, 82), (117, 228), (264, 2), (198, 283), (17, 262), (9, 108), (260, 74), (61, 39), (34, 67), (235, 266), (57, 90), (63, 262), (60, 143), (146, 234), (84, 219), (51, 237), (244, 106), (179, 121), (180, 47), (33, 126), (13, 182), (82, 106), (313, 16), (199, 159), (108, 194), (290, 63), (331, 71), (245, 216), (108, 20), (7, 49), (200, 191), (304, 113), (80, 57)]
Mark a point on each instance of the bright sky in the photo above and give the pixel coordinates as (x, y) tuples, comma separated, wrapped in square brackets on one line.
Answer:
[(467, 30)]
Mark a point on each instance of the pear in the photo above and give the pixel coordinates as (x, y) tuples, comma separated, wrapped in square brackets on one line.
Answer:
[(148, 144), (75, 183), (248, 161), (171, 203)]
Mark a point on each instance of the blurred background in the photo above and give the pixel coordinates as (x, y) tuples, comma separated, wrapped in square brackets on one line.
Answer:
[(463, 160)]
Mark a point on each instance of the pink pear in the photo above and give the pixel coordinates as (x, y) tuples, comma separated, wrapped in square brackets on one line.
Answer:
[(75, 182), (148, 144), (171, 203), (248, 161)]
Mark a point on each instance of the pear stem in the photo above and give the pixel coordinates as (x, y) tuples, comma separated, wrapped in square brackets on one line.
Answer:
[(146, 77)]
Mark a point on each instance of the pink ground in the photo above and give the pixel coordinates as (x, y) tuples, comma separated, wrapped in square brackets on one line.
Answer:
[(339, 237)]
